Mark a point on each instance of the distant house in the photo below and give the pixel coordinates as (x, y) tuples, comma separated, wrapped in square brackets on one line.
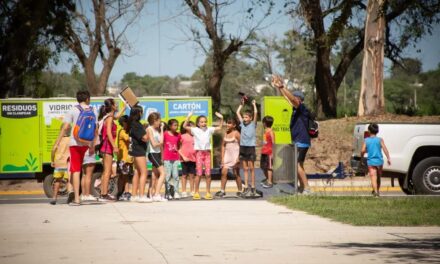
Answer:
[(114, 89), (186, 85)]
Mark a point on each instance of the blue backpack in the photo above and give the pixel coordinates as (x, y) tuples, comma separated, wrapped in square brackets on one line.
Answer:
[(85, 127)]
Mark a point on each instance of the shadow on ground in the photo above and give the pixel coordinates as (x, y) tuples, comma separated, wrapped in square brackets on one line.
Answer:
[(404, 250)]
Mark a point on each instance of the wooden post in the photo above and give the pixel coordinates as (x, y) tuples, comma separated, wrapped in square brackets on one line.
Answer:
[(371, 99)]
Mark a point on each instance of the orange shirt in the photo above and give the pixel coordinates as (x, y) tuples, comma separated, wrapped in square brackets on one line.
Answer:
[(268, 142)]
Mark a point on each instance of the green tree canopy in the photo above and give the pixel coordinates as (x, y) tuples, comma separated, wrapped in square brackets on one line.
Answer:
[(30, 34)]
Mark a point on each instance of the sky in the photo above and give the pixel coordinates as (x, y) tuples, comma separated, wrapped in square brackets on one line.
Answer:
[(160, 43)]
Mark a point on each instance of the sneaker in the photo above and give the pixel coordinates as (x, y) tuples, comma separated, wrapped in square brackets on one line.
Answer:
[(208, 196), (53, 202), (74, 204), (307, 192), (184, 194), (145, 199), (253, 191), (375, 194), (70, 197), (196, 196), (220, 194), (106, 198), (263, 182), (134, 198), (97, 183), (177, 196), (158, 198), (192, 194), (82, 198), (245, 192), (123, 197), (91, 198), (267, 185)]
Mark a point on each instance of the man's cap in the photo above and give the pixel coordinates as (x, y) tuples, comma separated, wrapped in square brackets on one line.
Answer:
[(299, 94)]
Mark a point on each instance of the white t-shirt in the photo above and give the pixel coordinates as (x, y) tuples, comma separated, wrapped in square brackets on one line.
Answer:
[(71, 117), (202, 138)]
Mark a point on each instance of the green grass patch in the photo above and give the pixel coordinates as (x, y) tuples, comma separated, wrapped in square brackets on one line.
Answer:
[(368, 211)]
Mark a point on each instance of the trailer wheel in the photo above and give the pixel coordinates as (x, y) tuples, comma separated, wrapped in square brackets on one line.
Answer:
[(48, 183), (96, 185), (426, 176)]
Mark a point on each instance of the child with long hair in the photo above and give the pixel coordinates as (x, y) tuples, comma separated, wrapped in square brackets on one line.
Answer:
[(230, 156), (188, 159), (137, 149), (108, 147), (202, 144), (155, 134), (125, 161), (171, 145)]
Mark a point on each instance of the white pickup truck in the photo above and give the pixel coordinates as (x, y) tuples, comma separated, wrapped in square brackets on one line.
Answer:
[(414, 151)]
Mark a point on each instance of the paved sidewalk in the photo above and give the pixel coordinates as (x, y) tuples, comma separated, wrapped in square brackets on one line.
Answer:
[(350, 186), (219, 231)]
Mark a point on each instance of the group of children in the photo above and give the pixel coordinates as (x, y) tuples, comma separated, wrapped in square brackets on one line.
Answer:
[(166, 149)]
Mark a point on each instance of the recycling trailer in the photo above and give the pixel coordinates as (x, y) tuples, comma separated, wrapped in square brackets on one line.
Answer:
[(30, 127)]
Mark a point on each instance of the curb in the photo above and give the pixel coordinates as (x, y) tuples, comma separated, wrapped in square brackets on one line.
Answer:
[(233, 190)]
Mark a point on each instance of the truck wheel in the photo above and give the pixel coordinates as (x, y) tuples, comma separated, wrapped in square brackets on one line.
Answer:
[(426, 176), (48, 186), (96, 185), (410, 189)]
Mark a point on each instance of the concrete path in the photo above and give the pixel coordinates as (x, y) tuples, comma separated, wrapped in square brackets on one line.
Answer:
[(219, 231)]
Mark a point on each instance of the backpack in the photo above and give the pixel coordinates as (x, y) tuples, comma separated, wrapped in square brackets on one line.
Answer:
[(100, 140), (312, 126), (85, 127)]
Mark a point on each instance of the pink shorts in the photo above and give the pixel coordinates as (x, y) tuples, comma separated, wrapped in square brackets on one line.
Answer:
[(203, 158), (77, 157)]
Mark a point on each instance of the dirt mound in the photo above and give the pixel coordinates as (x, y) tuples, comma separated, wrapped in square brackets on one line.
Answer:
[(335, 139)]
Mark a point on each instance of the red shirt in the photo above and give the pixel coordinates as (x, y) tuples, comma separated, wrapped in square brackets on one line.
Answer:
[(268, 142), (171, 146)]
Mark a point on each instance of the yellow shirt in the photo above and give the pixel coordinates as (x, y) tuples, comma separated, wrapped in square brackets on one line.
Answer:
[(123, 143), (62, 153)]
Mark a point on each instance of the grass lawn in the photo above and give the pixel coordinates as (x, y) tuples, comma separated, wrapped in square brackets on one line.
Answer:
[(368, 211)]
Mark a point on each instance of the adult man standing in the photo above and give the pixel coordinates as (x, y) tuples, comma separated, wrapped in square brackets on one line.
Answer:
[(298, 129), (77, 149)]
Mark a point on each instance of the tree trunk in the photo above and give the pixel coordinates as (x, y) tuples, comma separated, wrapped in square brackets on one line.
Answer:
[(91, 78), (371, 99), (214, 85), (105, 73), (325, 85), (103, 79)]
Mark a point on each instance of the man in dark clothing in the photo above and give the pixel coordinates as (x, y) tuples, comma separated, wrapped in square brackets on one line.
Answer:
[(298, 129)]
